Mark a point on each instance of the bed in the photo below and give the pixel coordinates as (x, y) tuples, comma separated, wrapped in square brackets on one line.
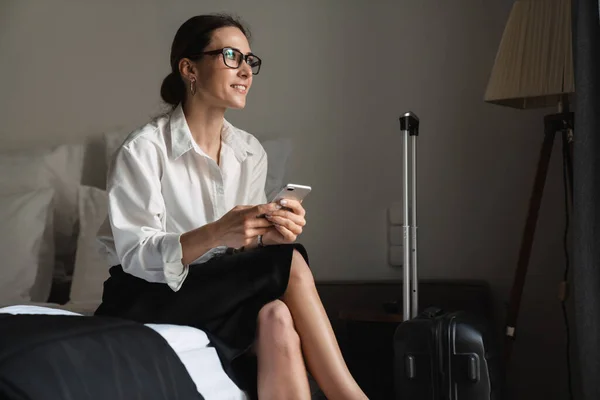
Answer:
[(191, 346), (52, 202)]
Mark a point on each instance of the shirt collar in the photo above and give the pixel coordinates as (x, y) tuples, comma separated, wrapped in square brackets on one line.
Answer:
[(232, 138), (182, 140)]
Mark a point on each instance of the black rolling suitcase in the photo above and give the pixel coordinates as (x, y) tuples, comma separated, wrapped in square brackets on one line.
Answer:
[(446, 355), (438, 355)]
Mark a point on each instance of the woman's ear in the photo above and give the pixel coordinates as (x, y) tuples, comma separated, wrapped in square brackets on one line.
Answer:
[(187, 69)]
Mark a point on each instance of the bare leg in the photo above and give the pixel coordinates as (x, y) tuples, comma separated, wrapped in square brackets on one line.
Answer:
[(320, 346), (281, 369)]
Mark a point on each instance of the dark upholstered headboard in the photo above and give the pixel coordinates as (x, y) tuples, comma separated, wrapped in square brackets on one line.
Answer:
[(471, 295)]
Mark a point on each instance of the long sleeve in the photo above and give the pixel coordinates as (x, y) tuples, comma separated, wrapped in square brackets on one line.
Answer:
[(137, 218)]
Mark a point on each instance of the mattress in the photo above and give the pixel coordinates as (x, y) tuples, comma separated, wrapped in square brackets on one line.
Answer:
[(190, 344)]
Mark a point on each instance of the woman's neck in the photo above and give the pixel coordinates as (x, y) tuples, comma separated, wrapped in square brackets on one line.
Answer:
[(205, 123)]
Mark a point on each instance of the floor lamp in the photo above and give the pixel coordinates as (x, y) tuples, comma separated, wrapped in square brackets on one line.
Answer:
[(534, 69)]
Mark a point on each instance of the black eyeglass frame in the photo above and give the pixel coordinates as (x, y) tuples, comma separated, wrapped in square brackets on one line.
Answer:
[(244, 57)]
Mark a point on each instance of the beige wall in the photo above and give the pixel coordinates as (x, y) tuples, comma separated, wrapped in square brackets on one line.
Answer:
[(337, 75)]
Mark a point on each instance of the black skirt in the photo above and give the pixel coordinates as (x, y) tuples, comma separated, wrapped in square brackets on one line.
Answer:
[(222, 297)]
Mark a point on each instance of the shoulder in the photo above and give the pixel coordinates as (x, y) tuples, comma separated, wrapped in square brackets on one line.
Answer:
[(144, 150), (248, 141), (148, 140)]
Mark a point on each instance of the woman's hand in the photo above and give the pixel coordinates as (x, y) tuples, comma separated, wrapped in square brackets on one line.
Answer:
[(242, 224), (287, 223)]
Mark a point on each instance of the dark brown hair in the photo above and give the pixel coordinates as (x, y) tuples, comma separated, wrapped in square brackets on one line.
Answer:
[(191, 39)]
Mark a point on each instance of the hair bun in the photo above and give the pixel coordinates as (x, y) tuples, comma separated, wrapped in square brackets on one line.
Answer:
[(172, 89)]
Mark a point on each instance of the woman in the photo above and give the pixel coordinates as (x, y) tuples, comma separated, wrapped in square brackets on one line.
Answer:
[(193, 240)]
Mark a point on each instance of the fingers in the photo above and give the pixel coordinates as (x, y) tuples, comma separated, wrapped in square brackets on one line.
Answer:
[(241, 208), (254, 222), (293, 205), (285, 214), (288, 235), (263, 209), (289, 224), (293, 222), (251, 236), (252, 233)]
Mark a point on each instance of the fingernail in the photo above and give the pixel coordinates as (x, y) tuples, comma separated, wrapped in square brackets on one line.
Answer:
[(268, 216), (283, 202), (277, 207)]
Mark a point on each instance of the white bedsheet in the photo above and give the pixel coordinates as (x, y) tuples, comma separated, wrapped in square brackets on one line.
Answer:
[(190, 344), (31, 307)]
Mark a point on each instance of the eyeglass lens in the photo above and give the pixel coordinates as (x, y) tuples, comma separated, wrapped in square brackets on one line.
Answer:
[(233, 59)]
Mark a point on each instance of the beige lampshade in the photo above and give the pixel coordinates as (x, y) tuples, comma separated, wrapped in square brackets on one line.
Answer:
[(534, 63)]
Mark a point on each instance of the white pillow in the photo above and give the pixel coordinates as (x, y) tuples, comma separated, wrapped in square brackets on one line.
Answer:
[(65, 166), (59, 168), (112, 142), (278, 152), (26, 245), (91, 268)]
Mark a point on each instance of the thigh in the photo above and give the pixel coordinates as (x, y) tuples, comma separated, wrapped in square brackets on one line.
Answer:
[(231, 288)]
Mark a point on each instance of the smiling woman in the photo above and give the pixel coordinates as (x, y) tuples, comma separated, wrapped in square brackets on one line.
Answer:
[(228, 49), (185, 239)]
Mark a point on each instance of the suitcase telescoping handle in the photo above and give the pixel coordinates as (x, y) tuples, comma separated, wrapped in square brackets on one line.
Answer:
[(409, 125)]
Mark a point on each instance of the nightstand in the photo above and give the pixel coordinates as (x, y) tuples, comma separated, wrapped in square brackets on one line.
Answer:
[(367, 346)]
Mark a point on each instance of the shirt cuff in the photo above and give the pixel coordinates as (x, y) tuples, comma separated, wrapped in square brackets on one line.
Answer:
[(172, 253)]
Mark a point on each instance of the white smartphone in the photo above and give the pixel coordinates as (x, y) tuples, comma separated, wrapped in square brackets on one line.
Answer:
[(292, 191)]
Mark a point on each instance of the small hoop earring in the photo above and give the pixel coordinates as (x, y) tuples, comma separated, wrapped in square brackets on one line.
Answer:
[(193, 86)]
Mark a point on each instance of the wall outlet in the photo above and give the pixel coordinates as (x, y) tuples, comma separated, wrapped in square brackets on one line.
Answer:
[(395, 216), (396, 256), (395, 235)]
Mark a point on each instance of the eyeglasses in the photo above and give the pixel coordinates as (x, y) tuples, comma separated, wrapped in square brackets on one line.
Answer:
[(233, 58)]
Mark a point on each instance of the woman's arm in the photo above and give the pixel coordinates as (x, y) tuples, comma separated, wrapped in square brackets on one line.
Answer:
[(197, 242), (137, 215), (238, 228)]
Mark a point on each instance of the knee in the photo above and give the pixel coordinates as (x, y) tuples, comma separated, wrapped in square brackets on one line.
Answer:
[(275, 315), (275, 324), (300, 273)]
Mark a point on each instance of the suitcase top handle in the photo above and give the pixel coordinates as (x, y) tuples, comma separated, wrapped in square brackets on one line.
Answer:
[(410, 122)]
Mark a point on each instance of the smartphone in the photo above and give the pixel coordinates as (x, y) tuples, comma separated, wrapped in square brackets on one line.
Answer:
[(292, 191)]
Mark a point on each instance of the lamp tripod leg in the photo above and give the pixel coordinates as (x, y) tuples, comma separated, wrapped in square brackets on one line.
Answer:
[(567, 142), (527, 243)]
